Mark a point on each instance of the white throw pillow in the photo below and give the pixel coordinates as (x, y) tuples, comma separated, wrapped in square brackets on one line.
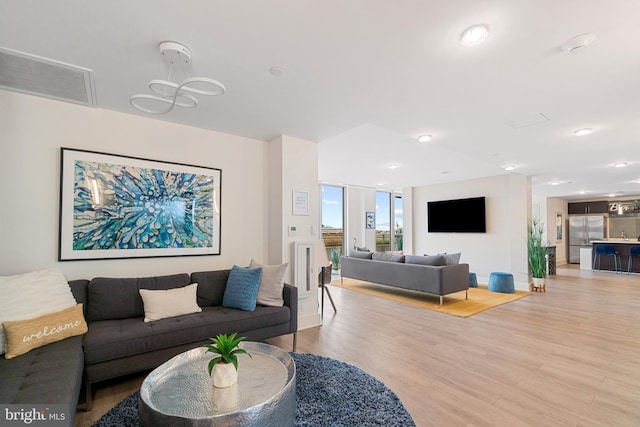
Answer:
[(160, 304), (29, 295), (271, 283)]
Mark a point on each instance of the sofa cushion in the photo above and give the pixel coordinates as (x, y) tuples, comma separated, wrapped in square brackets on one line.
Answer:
[(49, 374), (453, 258), (380, 256), (25, 296), (211, 285), (114, 339), (115, 298), (425, 260), (271, 283), (242, 288), (160, 304), (362, 249), (361, 254)]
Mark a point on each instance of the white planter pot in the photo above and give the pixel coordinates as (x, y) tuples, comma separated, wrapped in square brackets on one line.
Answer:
[(224, 375), (538, 281)]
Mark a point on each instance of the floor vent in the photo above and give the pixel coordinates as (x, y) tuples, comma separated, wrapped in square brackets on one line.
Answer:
[(21, 72)]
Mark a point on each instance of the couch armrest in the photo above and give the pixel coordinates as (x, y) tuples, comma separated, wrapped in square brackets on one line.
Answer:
[(290, 296)]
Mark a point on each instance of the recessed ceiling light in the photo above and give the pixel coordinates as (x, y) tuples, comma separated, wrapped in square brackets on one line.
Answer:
[(620, 164), (612, 195), (276, 71), (424, 138), (509, 167), (583, 132), (392, 166), (380, 184), (555, 182), (582, 192), (475, 35), (576, 43)]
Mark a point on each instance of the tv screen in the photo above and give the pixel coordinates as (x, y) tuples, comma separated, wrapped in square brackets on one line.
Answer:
[(457, 216)]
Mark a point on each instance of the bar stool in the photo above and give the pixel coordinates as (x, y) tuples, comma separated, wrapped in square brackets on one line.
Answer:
[(634, 251), (606, 250)]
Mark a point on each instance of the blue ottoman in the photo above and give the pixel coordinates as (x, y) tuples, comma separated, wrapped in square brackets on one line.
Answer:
[(501, 282), (473, 280)]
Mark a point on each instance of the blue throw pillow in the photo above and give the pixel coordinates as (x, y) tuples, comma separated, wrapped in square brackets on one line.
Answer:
[(242, 288)]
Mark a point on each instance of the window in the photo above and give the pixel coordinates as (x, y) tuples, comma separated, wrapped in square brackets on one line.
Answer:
[(383, 221), (397, 224), (333, 222)]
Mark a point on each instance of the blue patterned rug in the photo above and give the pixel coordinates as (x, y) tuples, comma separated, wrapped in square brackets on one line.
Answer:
[(328, 393)]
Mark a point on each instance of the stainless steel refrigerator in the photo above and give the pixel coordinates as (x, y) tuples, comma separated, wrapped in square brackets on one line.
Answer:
[(582, 231)]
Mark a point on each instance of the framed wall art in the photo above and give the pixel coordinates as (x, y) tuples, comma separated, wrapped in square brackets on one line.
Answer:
[(300, 202), (114, 206), (371, 220), (558, 226)]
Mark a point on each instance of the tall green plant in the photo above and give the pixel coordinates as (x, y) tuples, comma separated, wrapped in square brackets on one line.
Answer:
[(536, 248), (335, 258)]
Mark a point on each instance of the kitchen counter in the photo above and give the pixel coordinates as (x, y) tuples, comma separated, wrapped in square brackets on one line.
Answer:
[(622, 247)]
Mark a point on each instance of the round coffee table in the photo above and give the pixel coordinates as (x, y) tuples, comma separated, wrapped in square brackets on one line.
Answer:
[(180, 392)]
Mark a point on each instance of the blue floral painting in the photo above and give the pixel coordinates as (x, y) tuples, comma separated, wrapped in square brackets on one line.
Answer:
[(127, 207)]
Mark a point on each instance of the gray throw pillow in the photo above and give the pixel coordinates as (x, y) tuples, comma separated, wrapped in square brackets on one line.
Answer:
[(381, 256), (362, 249), (360, 254), (436, 260), (451, 259)]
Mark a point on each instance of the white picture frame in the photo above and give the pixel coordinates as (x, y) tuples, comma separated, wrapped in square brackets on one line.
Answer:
[(300, 202)]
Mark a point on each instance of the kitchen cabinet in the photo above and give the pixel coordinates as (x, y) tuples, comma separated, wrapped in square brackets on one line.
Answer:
[(581, 208)]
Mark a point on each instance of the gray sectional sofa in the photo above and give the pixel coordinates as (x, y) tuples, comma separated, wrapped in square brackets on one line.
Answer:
[(119, 342), (51, 374), (407, 272)]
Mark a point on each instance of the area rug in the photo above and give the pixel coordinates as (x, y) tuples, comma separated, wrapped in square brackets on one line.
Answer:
[(480, 299), (328, 393)]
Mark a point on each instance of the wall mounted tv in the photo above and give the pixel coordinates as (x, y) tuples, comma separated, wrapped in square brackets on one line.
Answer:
[(457, 216)]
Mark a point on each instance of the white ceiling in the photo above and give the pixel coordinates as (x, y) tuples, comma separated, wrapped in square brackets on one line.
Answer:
[(364, 78)]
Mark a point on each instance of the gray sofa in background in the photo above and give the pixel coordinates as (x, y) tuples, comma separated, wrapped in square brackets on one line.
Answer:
[(119, 342), (407, 272)]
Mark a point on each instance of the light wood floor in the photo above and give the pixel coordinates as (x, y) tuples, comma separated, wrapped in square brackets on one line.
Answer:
[(567, 357)]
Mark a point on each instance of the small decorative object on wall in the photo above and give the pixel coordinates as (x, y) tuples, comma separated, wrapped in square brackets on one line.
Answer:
[(371, 220), (300, 202), (558, 226), (115, 206)]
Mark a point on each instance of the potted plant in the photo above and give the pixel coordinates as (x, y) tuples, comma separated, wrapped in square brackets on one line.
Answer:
[(223, 368), (536, 252)]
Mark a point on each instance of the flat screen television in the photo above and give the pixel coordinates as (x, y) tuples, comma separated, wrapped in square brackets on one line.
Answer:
[(457, 216)]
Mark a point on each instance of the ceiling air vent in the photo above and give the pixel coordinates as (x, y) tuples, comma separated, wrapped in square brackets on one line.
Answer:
[(21, 72)]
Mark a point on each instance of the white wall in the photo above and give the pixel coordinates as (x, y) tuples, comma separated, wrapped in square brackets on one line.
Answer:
[(33, 129), (360, 201), (294, 166), (502, 247), (557, 205)]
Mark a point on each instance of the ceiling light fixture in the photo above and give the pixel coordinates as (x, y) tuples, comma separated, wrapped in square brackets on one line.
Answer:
[(168, 94), (620, 164), (576, 43), (424, 138), (276, 71), (509, 167), (555, 182), (474, 36), (392, 166), (583, 132)]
